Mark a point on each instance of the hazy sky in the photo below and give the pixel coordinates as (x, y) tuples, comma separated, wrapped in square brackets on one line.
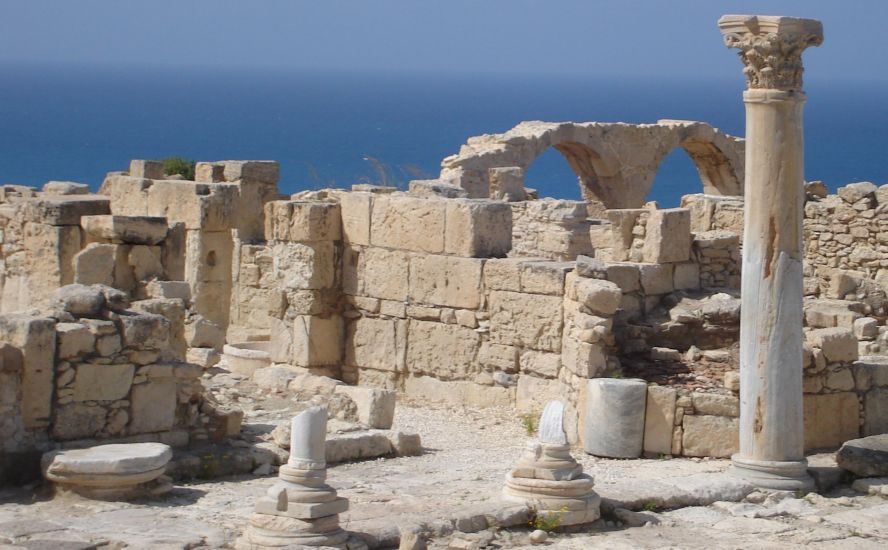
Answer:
[(617, 37)]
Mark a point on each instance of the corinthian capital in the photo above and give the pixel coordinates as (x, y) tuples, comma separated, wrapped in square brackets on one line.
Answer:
[(771, 47)]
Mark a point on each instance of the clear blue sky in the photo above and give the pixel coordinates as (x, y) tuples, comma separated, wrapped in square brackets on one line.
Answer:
[(618, 37)]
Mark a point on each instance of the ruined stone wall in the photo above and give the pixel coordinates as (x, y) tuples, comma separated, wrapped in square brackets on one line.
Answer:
[(550, 228)]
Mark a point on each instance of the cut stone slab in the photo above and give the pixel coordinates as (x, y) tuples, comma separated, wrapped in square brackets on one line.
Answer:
[(693, 490), (110, 472), (865, 457), (148, 230)]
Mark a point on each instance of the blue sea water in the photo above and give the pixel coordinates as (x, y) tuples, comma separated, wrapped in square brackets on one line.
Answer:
[(77, 123)]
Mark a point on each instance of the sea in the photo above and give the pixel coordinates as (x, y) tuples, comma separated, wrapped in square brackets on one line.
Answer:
[(334, 129)]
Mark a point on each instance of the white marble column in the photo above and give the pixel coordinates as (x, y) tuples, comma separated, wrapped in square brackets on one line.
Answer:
[(771, 452)]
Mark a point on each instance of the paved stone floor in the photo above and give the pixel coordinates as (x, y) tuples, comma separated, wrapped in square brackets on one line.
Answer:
[(468, 453)]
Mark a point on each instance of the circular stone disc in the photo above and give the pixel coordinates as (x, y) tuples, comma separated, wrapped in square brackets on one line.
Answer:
[(114, 459)]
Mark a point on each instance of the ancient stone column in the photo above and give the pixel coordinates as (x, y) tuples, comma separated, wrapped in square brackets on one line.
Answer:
[(771, 452)]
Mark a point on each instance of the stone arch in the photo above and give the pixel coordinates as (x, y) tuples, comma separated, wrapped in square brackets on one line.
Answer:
[(716, 170)]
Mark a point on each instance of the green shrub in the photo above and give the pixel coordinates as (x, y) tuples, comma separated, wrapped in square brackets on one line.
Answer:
[(529, 422), (178, 165)]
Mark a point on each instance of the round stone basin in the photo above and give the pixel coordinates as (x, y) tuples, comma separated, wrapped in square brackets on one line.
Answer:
[(245, 358)]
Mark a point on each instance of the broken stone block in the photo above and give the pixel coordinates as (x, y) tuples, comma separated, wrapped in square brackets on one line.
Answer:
[(57, 188), (200, 332), (147, 230), (205, 357), (379, 344), (624, 275), (866, 328), (865, 457), (656, 278), (201, 206), (601, 297), (445, 351), (169, 290), (837, 344), (305, 266), (33, 341), (150, 169), (507, 183), (302, 221), (668, 236), (716, 404), (526, 320), (65, 209), (875, 406), (478, 228), (145, 262), (145, 331), (436, 188), (686, 276), (853, 192), (376, 408)]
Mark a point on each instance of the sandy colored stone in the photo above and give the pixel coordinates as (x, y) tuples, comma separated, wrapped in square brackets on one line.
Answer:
[(444, 351), (837, 344), (478, 228), (317, 340), (95, 264), (445, 281), (408, 223), (830, 419), (145, 230), (302, 221), (707, 435), (355, 212), (95, 382), (659, 419), (73, 339), (153, 406), (527, 320), (668, 236), (376, 343)]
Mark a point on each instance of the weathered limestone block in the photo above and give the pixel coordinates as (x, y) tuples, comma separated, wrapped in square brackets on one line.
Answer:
[(145, 331), (355, 212), (376, 407), (526, 320), (865, 457), (716, 404), (209, 256), (544, 277), (478, 228), (305, 265), (95, 382), (830, 419), (95, 264), (875, 407), (73, 339), (458, 392), (302, 221), (151, 169), (58, 188), (383, 274), (540, 364), (444, 351), (598, 296), (50, 253), (129, 195), (173, 309), (668, 236), (837, 344), (200, 332), (498, 357), (708, 435), (624, 275), (379, 344), (201, 206), (507, 183), (317, 341), (503, 274), (686, 276), (66, 209), (656, 278), (153, 406), (659, 419), (445, 281), (623, 222), (174, 260), (615, 413), (78, 421), (582, 358), (823, 313), (35, 338), (408, 223), (145, 230), (145, 262), (854, 192), (436, 188)]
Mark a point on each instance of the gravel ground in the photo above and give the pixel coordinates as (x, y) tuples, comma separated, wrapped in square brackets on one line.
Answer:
[(468, 453)]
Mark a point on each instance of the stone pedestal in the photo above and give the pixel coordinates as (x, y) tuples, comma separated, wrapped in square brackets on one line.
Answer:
[(771, 424), (615, 417), (122, 471), (549, 479), (300, 510)]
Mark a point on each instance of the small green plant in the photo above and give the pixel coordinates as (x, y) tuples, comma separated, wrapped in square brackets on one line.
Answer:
[(546, 521), (529, 422), (179, 166), (650, 506), (617, 374)]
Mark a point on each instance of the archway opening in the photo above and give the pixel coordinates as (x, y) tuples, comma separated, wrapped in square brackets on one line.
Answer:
[(676, 176), (552, 176)]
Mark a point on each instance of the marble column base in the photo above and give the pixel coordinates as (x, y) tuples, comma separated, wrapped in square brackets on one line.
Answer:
[(573, 502), (773, 475)]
